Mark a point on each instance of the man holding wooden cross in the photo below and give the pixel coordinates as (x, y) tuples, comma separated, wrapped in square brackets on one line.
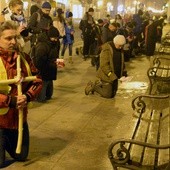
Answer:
[(19, 85)]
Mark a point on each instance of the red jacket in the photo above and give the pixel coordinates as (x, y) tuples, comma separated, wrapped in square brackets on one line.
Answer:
[(31, 89)]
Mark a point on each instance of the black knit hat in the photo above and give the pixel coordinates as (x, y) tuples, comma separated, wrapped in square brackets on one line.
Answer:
[(46, 5), (70, 14), (100, 21), (60, 11), (53, 32), (91, 10)]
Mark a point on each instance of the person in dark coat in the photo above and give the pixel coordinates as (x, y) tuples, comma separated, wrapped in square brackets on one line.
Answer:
[(110, 70), (46, 54), (88, 32), (108, 33), (128, 47), (96, 47), (138, 28), (40, 21), (152, 35)]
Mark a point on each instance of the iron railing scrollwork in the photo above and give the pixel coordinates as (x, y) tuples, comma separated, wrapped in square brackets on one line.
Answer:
[(122, 155)]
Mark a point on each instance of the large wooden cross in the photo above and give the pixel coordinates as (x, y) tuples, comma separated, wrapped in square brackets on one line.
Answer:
[(17, 80)]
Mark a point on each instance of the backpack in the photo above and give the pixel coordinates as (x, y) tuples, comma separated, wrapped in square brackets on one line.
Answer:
[(34, 38)]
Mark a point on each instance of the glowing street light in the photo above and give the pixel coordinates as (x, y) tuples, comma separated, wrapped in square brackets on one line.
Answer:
[(120, 8)]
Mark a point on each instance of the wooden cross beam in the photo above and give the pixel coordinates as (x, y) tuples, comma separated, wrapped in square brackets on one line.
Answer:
[(17, 80)]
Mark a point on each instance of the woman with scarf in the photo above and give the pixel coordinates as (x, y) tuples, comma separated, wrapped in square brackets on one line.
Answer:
[(14, 12)]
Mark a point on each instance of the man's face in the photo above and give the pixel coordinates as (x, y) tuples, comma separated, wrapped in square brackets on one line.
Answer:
[(17, 9), (112, 27), (46, 11), (8, 39), (100, 24), (118, 46), (91, 13)]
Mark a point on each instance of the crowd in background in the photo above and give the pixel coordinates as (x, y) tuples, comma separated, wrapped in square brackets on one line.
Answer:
[(46, 32), (141, 30), (107, 40)]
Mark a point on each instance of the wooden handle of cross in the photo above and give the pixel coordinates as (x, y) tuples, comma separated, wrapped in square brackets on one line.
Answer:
[(20, 114)]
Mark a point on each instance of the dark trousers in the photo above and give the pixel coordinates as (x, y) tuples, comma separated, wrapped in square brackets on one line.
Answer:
[(150, 47), (8, 142), (70, 46), (127, 55), (46, 92), (107, 90), (88, 41)]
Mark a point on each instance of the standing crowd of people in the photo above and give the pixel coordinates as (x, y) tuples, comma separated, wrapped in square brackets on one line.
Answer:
[(109, 44)]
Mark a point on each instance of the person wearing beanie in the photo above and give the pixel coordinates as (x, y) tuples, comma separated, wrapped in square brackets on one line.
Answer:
[(110, 70), (40, 21), (46, 5), (46, 54), (70, 14), (53, 32)]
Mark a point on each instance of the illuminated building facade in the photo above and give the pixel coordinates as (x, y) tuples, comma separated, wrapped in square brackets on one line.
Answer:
[(102, 7)]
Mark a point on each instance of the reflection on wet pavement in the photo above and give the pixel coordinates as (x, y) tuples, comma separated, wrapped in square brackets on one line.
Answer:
[(129, 89), (136, 85)]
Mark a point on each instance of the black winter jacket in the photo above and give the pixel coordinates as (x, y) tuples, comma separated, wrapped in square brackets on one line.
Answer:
[(39, 22), (46, 54)]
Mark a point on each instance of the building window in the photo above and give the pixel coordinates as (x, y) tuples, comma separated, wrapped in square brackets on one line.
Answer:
[(77, 11)]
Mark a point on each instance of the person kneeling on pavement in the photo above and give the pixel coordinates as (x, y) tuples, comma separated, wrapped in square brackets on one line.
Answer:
[(46, 54), (111, 69)]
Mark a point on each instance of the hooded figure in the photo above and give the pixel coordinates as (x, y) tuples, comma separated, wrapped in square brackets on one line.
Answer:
[(46, 54)]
